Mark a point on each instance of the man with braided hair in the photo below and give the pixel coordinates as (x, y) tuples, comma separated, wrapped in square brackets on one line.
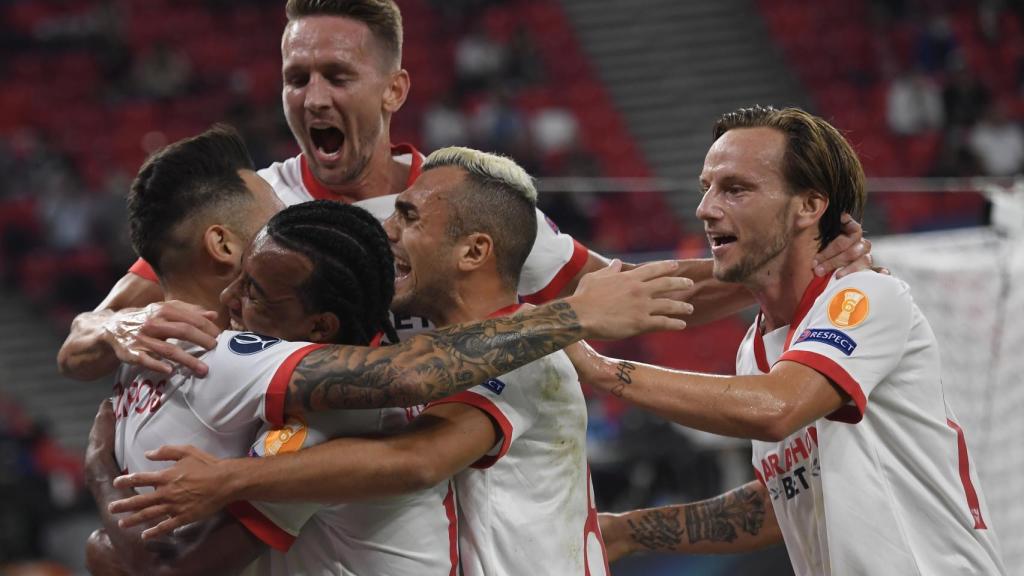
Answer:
[(260, 379), (459, 249)]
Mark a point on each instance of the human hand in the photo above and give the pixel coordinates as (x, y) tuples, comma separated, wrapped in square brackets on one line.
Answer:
[(848, 253), (195, 487), (611, 304), (139, 337)]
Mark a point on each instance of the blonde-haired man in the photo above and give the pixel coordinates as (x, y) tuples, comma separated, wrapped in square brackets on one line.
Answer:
[(516, 444)]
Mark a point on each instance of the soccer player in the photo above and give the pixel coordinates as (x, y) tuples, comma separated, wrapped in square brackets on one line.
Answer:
[(861, 465), (323, 272), (342, 82), (515, 444)]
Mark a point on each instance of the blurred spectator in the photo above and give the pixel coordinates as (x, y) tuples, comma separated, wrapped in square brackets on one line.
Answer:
[(478, 61), (498, 126), (555, 130), (935, 44), (998, 143), (444, 124), (523, 65), (163, 73), (914, 104), (964, 98)]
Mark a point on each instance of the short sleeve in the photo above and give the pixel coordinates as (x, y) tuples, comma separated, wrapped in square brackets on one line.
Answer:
[(278, 523), (248, 380), (855, 335), (142, 269), (553, 262), (507, 400)]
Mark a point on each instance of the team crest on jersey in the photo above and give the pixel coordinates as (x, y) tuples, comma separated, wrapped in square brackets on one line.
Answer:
[(495, 385), (288, 438), (248, 343), (833, 338), (848, 308)]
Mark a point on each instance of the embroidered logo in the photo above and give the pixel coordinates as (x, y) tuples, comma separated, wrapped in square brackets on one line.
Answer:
[(848, 308), (248, 343), (833, 338)]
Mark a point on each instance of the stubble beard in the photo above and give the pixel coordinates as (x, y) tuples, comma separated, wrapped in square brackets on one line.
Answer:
[(753, 261)]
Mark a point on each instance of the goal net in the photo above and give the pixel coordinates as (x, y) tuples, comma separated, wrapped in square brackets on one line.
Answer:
[(970, 285)]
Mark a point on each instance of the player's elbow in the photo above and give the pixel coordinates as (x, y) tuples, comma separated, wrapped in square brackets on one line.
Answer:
[(774, 423)]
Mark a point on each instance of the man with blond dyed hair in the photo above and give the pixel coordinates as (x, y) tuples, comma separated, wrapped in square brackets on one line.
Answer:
[(515, 444)]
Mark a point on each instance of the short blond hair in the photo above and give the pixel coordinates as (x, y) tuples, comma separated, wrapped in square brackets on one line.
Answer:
[(497, 199)]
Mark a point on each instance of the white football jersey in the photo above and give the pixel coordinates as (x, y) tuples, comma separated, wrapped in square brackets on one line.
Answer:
[(884, 485), (242, 399), (527, 507)]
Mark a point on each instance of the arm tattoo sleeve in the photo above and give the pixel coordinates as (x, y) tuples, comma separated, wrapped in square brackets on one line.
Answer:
[(720, 519), (431, 365)]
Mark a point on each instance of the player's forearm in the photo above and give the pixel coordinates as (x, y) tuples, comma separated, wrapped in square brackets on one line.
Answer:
[(430, 365), (741, 520), (711, 299), (84, 354), (341, 470), (739, 406)]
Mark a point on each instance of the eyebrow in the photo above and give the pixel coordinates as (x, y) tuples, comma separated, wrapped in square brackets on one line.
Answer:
[(255, 285), (404, 207)]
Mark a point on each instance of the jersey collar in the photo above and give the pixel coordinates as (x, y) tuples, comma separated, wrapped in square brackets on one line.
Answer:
[(320, 192), (814, 289)]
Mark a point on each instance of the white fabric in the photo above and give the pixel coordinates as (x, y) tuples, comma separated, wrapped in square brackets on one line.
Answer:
[(223, 413), (883, 495), (524, 508)]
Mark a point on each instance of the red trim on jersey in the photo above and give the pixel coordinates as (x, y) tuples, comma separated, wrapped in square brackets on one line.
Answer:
[(273, 405), (760, 478), (576, 262), (142, 269), (262, 527), (375, 342), (453, 529), (321, 192), (475, 400), (415, 166), (965, 476), (834, 372), (592, 525), (814, 289)]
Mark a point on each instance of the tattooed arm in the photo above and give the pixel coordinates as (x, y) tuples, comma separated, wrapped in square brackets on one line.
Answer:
[(738, 521), (608, 304)]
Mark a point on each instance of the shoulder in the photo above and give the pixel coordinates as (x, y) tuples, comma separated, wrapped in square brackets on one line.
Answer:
[(866, 285), (380, 206), (285, 178)]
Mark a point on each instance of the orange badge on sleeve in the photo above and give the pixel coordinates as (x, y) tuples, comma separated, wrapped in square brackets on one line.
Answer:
[(848, 308), (287, 439)]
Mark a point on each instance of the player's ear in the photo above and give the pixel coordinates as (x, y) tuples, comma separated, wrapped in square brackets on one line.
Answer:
[(223, 247), (325, 327), (474, 251), (396, 91), (811, 208)]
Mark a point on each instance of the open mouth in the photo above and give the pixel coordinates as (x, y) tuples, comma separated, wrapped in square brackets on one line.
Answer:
[(722, 240), (402, 269), (327, 140)]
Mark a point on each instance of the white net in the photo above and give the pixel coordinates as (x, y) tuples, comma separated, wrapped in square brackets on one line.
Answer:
[(970, 285)]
